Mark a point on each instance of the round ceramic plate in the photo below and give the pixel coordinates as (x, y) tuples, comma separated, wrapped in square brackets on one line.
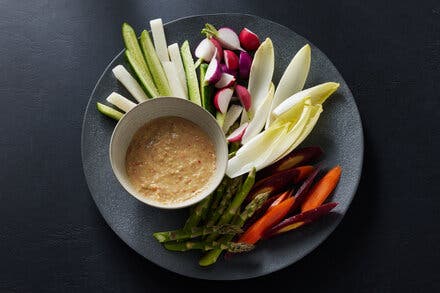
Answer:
[(338, 132)]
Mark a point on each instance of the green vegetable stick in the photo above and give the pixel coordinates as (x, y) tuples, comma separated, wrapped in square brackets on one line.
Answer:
[(212, 256), (198, 212), (194, 232), (191, 76), (220, 117), (234, 207), (109, 111), (153, 62), (206, 90), (136, 59), (211, 246)]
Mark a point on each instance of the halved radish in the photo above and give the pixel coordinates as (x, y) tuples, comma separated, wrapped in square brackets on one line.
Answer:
[(222, 99), (225, 69), (205, 50), (226, 80), (244, 96), (213, 73), (229, 39), (249, 40), (231, 59), (237, 134), (218, 46), (244, 65)]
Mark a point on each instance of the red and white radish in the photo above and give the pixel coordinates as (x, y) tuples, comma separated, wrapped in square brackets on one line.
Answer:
[(244, 65), (205, 50), (218, 46), (213, 73), (225, 69), (237, 134), (226, 80), (244, 96), (222, 99), (231, 59), (228, 38), (249, 40)]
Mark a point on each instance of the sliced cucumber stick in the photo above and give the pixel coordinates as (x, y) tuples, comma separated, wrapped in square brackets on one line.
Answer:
[(190, 72), (154, 65), (109, 111), (206, 90), (130, 83), (136, 59)]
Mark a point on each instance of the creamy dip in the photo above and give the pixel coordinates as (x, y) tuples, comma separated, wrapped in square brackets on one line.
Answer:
[(170, 159)]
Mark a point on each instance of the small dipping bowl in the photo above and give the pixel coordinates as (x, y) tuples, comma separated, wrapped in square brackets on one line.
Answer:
[(163, 107)]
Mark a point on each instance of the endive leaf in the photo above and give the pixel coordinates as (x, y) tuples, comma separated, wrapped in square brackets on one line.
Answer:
[(293, 79), (314, 116), (290, 138), (261, 74), (318, 95), (257, 123), (255, 151)]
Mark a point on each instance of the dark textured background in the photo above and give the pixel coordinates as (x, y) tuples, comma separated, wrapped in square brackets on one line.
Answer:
[(52, 237)]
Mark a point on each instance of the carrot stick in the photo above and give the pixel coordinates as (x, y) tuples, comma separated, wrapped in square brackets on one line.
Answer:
[(271, 218), (303, 172), (322, 189), (280, 198)]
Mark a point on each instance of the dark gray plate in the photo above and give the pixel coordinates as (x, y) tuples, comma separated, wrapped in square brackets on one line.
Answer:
[(338, 132)]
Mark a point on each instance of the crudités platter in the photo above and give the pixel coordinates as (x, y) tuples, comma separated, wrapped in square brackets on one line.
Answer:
[(338, 132)]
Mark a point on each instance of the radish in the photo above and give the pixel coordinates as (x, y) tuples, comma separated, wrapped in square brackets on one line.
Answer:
[(226, 80), (244, 96), (205, 50), (244, 65), (231, 60), (249, 40), (225, 69), (222, 99), (213, 73), (226, 36), (219, 53), (237, 134)]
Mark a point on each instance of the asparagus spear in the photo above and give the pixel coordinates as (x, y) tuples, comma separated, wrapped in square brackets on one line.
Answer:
[(211, 246), (198, 213), (226, 199), (218, 195), (194, 232), (212, 256)]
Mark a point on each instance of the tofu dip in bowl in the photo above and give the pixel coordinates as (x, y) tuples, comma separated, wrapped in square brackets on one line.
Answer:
[(168, 153)]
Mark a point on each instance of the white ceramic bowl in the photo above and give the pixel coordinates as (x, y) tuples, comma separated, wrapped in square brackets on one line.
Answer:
[(161, 107)]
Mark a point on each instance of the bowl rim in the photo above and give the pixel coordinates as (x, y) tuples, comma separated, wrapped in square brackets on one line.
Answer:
[(205, 192)]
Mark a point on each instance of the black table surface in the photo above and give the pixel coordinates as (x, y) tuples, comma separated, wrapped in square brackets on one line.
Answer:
[(52, 237)]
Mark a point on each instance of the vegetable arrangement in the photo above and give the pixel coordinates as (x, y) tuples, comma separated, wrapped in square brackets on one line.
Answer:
[(269, 188)]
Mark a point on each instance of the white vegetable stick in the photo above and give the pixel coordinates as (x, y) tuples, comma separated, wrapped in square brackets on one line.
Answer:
[(173, 80), (293, 79), (129, 83), (120, 101), (257, 123), (231, 116), (159, 39), (261, 74), (318, 95), (175, 57)]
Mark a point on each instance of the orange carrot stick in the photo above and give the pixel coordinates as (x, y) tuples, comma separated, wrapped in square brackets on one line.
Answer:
[(303, 172), (322, 189), (271, 218)]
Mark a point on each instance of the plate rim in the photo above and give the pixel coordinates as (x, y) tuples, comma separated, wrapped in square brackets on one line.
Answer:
[(310, 248)]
